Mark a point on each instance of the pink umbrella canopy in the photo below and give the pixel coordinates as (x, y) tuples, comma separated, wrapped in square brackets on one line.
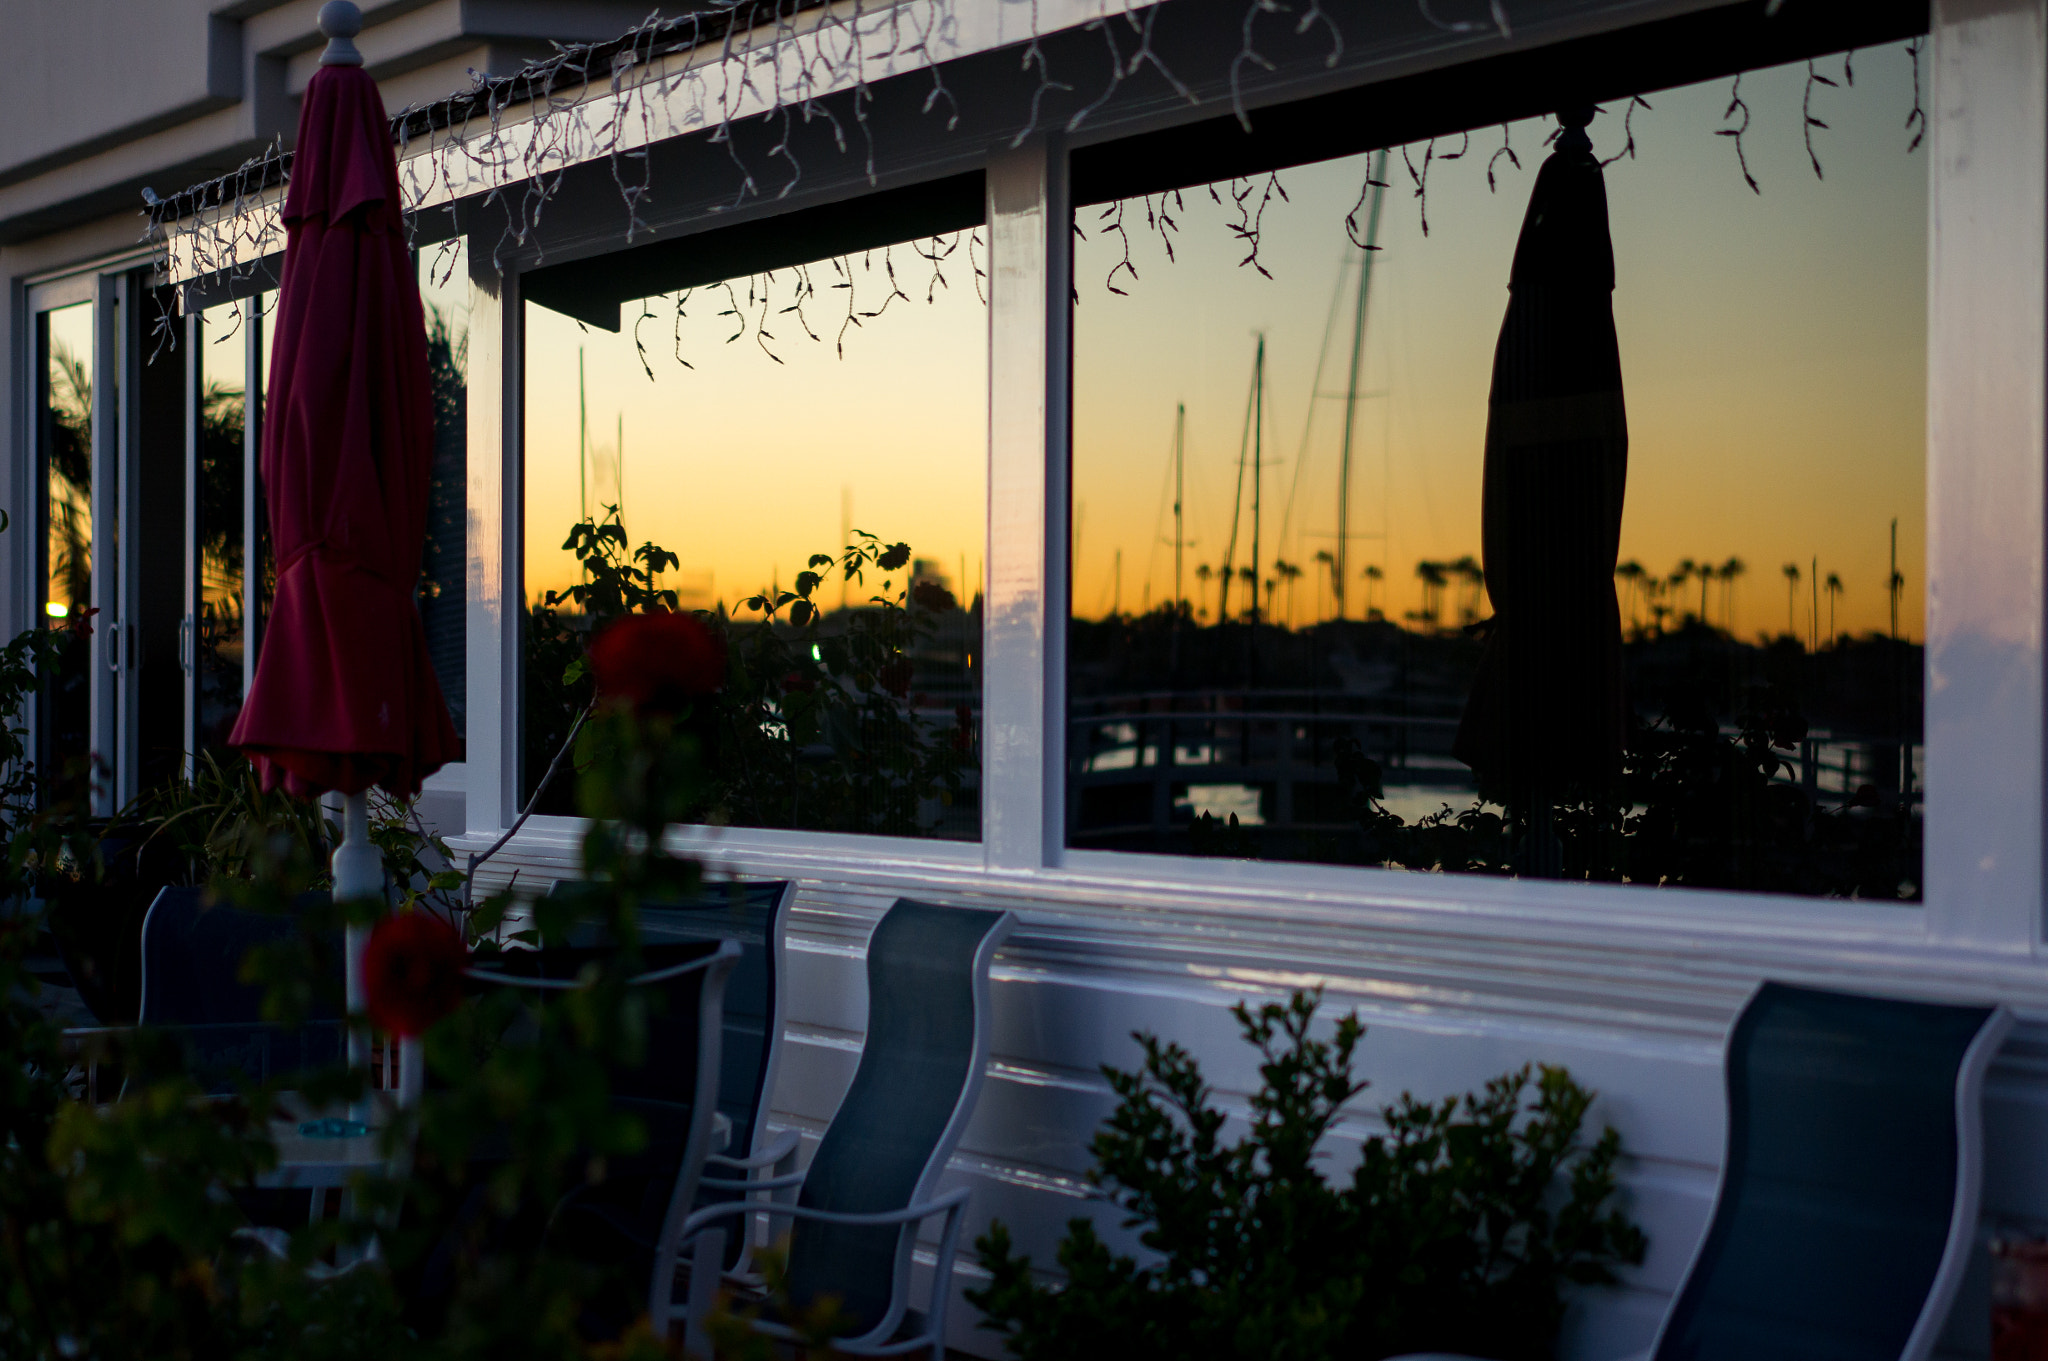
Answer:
[(344, 694)]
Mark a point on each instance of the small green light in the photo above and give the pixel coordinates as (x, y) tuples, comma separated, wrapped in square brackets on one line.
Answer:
[(817, 653)]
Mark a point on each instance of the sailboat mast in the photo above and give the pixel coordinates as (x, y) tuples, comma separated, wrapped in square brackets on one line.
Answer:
[(1258, 459), (1244, 449), (1378, 176), (1180, 427)]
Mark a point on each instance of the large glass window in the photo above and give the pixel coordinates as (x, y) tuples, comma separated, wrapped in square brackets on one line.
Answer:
[(1405, 533), (64, 374), (444, 291), (225, 337), (797, 455)]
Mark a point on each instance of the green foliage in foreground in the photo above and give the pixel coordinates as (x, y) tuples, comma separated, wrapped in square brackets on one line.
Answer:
[(1460, 1230)]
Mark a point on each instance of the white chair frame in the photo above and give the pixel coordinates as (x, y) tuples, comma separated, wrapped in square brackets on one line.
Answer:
[(704, 1103), (707, 1242)]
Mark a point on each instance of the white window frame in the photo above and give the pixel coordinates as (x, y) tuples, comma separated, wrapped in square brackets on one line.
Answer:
[(1981, 925)]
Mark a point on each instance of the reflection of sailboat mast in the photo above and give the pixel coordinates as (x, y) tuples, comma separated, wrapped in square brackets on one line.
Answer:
[(1377, 176), (1236, 507), (1180, 427), (1258, 460)]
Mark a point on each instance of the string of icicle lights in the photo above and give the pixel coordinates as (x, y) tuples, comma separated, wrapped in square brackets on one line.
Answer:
[(833, 48)]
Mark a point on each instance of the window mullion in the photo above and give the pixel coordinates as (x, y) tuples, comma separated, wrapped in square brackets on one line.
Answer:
[(1024, 667), (1986, 359), (495, 591)]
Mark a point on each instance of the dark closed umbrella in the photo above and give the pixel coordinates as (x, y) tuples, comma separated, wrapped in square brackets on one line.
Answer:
[(344, 694), (1546, 716)]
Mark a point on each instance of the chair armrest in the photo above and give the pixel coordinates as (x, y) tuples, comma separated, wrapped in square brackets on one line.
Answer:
[(909, 1214), (1458, 1356), (784, 1144), (74, 1038), (752, 1183)]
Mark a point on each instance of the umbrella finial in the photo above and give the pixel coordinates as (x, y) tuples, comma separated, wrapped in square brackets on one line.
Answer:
[(1573, 121), (339, 22)]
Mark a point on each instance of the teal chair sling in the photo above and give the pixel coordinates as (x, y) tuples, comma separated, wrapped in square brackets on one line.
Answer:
[(1848, 1196)]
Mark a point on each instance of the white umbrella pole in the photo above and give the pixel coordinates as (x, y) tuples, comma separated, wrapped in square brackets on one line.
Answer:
[(358, 873)]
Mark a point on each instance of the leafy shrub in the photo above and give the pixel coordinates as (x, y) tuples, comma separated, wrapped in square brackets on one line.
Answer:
[(818, 725), (1460, 1230)]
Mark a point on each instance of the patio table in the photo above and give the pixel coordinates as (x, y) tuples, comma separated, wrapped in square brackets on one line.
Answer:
[(323, 1162), (313, 1162)]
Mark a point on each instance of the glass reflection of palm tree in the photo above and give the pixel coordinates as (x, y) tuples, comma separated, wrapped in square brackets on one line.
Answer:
[(1791, 571), (1288, 573), (1373, 577), (1471, 581), (1730, 570), (1203, 571), (1433, 578), (1327, 560), (1834, 587), (70, 476), (1680, 575), (1250, 577), (1631, 573)]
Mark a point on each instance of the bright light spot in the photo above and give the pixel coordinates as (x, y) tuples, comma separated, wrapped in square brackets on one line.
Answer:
[(817, 653), (57, 609)]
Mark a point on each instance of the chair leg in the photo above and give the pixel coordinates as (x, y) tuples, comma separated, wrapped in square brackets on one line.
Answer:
[(707, 1258)]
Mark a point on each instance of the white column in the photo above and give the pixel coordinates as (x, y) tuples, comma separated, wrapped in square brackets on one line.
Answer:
[(358, 874), (1987, 150), (496, 430), (1023, 725)]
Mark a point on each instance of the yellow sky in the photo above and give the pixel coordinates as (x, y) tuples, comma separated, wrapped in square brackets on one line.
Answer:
[(744, 466), (1773, 350), (1772, 346)]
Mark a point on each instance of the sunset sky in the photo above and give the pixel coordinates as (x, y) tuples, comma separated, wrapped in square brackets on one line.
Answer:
[(1773, 349)]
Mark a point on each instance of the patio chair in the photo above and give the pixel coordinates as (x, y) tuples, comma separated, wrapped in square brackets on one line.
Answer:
[(874, 1177), (1848, 1197), (755, 915), (192, 954), (643, 1198)]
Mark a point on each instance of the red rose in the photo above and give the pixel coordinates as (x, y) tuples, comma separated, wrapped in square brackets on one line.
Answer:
[(895, 676), (656, 663), (412, 972)]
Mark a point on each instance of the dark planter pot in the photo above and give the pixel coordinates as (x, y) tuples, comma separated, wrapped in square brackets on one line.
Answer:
[(97, 921)]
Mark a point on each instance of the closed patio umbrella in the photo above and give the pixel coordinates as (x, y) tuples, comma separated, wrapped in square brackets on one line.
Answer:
[(344, 694), (1546, 716)]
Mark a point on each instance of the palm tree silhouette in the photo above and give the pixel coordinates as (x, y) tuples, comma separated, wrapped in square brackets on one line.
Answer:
[(1679, 576), (1433, 579), (1328, 561), (1250, 577), (1631, 573), (1288, 573), (1834, 589), (1791, 570), (1471, 581), (1730, 570), (1373, 576), (1203, 571)]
